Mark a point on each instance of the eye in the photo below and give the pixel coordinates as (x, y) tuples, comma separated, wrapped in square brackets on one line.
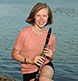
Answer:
[(38, 15), (45, 15)]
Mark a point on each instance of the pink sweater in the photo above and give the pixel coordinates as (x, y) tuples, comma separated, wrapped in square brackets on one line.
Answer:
[(31, 44)]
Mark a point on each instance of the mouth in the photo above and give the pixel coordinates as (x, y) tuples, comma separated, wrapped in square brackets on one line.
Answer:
[(41, 22)]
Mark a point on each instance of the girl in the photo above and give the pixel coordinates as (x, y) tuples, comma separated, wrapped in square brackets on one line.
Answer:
[(30, 43)]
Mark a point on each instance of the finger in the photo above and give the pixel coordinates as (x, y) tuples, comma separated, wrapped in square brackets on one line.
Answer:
[(46, 54), (46, 49), (41, 60), (39, 63)]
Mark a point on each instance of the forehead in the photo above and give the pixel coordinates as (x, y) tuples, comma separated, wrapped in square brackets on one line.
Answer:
[(43, 10)]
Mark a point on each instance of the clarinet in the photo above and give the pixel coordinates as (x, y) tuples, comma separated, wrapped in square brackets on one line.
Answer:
[(42, 54)]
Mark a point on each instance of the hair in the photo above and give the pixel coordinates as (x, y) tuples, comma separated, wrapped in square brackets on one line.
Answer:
[(35, 9)]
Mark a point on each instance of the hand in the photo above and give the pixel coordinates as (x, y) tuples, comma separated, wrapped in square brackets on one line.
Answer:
[(48, 53), (38, 60)]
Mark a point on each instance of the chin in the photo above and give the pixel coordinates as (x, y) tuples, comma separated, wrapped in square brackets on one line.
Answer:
[(41, 27)]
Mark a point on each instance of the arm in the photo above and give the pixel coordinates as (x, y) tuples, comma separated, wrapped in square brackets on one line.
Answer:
[(49, 53), (17, 56)]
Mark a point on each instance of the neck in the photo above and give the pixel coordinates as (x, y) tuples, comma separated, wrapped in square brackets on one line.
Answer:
[(38, 30)]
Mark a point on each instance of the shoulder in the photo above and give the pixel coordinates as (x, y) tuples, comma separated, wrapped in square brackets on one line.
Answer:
[(52, 35), (25, 30)]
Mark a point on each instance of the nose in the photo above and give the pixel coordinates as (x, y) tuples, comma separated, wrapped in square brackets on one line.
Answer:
[(41, 17)]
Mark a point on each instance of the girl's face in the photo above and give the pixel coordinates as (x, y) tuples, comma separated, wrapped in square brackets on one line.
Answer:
[(41, 18)]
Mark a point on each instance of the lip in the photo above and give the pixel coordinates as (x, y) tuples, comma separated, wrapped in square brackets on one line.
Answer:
[(41, 22)]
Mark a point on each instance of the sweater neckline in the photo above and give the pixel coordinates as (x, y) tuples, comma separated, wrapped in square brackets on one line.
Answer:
[(36, 32)]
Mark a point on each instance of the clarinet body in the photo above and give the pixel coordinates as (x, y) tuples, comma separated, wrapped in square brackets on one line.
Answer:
[(42, 54)]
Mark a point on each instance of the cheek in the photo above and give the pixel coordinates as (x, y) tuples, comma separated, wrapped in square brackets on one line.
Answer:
[(46, 20), (36, 19)]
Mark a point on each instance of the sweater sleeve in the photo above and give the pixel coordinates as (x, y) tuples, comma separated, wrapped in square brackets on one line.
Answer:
[(52, 43), (19, 41)]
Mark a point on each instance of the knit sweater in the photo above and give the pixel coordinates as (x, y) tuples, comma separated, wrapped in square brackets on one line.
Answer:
[(31, 44)]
